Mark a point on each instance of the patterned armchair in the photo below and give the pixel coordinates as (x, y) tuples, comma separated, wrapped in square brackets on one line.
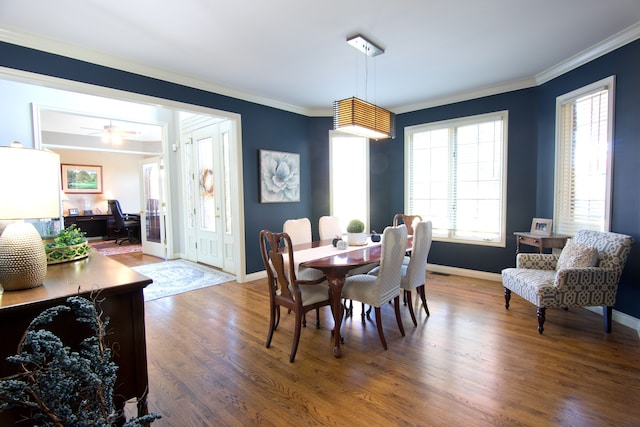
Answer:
[(576, 278)]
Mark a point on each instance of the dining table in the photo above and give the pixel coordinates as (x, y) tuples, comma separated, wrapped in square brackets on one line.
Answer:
[(335, 264)]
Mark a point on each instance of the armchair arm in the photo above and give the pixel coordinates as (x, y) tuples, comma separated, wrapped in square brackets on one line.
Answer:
[(537, 261), (594, 278)]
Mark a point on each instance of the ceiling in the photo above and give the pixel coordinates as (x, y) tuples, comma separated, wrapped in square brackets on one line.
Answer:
[(292, 54)]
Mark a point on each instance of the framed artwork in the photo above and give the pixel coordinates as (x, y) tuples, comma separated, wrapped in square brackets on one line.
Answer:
[(541, 226), (279, 177), (73, 211), (81, 179)]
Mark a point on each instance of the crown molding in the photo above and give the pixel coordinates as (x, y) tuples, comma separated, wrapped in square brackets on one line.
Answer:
[(608, 45), (32, 41), (87, 55)]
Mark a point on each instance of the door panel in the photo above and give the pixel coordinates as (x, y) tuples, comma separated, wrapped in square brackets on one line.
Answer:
[(152, 218)]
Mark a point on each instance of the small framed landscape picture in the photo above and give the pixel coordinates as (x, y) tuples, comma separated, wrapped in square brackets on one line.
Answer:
[(81, 179), (73, 211), (541, 226)]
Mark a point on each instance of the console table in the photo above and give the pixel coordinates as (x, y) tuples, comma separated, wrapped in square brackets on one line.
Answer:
[(121, 291), (540, 241), (95, 225)]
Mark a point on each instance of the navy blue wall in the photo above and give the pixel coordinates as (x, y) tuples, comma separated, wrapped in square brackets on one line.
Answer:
[(624, 63), (530, 153), (521, 172), (262, 128)]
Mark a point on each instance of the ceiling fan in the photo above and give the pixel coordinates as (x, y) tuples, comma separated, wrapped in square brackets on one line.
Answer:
[(111, 133)]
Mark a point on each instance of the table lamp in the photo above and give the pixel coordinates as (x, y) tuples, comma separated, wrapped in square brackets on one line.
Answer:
[(29, 189)]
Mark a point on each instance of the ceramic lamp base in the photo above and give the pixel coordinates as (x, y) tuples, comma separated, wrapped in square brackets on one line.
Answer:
[(23, 261)]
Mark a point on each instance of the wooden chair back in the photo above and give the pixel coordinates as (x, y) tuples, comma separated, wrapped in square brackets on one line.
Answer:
[(408, 220)]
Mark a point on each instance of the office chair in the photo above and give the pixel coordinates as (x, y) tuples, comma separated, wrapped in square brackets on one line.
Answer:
[(129, 225)]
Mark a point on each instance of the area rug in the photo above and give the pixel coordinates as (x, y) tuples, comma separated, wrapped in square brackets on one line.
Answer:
[(178, 276), (110, 248)]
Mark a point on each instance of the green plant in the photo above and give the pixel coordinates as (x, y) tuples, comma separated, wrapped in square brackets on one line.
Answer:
[(355, 226), (64, 387), (68, 237)]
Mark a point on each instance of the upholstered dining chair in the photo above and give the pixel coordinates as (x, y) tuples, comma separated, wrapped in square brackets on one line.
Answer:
[(299, 230), (586, 273), (376, 290), (329, 227), (408, 220), (298, 296), (413, 274)]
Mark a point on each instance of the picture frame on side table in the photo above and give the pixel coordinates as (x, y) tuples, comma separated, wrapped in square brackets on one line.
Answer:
[(541, 226), (81, 179)]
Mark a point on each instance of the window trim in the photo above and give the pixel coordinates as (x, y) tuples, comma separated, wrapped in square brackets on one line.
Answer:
[(459, 122), (606, 83)]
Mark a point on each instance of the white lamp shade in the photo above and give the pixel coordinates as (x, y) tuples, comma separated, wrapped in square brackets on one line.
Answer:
[(29, 184)]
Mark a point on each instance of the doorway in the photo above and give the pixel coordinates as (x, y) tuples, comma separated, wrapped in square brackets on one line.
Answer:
[(207, 185)]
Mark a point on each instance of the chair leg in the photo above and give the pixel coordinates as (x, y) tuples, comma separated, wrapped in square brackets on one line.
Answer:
[(424, 299), (379, 325), (396, 304), (407, 298), (317, 318), (541, 318), (296, 337), (507, 298), (607, 312), (273, 324)]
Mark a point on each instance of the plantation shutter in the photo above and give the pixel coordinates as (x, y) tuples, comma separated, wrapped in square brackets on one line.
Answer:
[(455, 177), (582, 166)]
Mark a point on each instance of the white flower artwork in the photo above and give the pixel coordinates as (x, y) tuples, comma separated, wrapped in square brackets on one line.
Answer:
[(279, 177)]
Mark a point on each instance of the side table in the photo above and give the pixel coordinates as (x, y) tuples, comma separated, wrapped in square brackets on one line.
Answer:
[(540, 241)]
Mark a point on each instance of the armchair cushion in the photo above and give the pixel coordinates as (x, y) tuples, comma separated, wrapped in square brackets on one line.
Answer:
[(577, 255)]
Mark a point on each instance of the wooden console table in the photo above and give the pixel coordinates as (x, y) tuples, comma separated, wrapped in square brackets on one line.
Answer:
[(539, 241), (121, 291)]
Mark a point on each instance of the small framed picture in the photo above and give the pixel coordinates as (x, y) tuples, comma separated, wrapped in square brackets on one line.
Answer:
[(87, 212), (541, 226), (73, 211)]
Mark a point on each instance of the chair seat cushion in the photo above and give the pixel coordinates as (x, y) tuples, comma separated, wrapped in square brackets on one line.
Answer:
[(536, 286), (312, 294), (577, 255)]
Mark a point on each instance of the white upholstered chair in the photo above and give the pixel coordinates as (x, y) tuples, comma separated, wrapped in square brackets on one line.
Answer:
[(413, 273), (379, 289), (329, 227), (299, 230), (585, 274)]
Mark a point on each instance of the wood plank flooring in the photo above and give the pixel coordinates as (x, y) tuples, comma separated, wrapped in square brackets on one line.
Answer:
[(470, 363)]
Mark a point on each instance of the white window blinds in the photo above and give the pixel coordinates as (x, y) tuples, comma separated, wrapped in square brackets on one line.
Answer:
[(455, 177), (583, 159)]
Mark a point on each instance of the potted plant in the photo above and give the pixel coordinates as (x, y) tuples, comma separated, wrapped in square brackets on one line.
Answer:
[(69, 245), (355, 233)]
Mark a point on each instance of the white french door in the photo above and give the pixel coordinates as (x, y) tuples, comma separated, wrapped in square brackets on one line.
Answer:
[(153, 212), (209, 237)]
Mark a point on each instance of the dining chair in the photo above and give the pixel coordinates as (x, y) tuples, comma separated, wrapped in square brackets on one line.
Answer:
[(413, 274), (286, 290), (408, 220), (329, 227), (299, 230), (376, 290)]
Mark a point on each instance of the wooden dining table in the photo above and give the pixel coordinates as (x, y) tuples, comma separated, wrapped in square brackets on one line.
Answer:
[(335, 264)]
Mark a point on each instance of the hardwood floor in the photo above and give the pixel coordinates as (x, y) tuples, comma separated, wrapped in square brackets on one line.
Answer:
[(470, 363)]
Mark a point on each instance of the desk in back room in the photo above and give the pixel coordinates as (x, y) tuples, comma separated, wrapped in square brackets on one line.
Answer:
[(121, 289)]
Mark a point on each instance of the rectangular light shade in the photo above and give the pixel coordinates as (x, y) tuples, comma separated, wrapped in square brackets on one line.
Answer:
[(358, 117), (29, 184)]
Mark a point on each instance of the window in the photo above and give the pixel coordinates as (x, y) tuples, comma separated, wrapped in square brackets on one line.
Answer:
[(349, 178), (584, 135), (456, 177)]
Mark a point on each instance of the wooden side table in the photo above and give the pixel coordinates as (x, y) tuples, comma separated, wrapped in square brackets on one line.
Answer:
[(540, 241)]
